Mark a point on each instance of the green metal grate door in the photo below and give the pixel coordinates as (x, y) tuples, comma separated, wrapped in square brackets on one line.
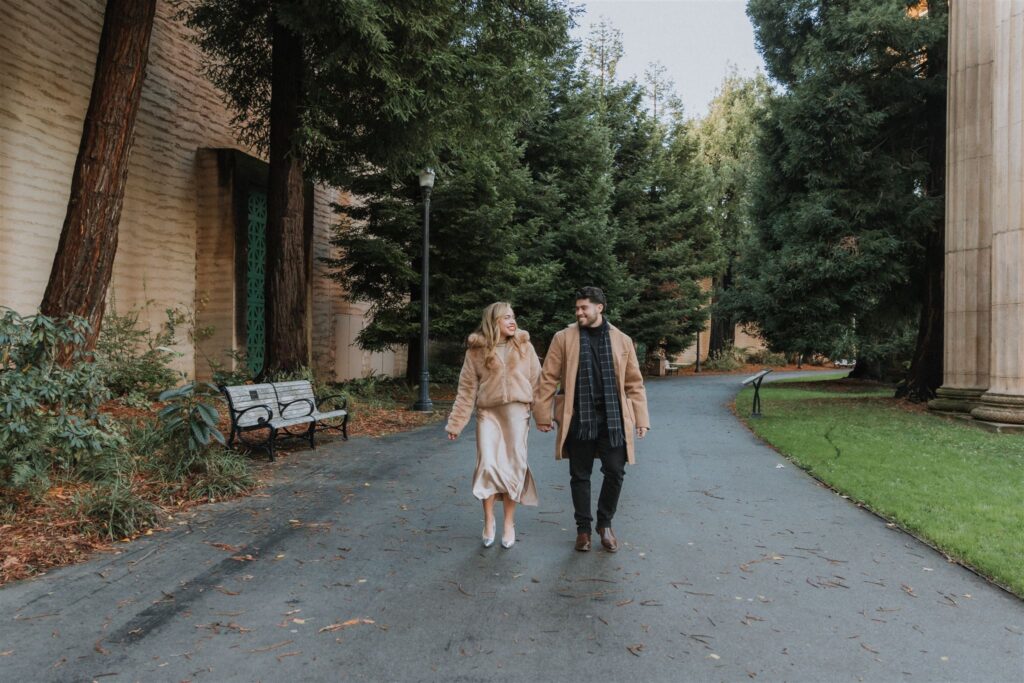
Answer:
[(255, 321)]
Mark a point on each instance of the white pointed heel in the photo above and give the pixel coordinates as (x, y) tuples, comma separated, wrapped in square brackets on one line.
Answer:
[(488, 540), (508, 544)]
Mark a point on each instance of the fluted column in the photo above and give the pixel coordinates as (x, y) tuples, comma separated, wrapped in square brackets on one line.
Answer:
[(1004, 400), (968, 205)]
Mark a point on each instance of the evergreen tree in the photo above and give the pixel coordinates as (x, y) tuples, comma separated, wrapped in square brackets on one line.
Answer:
[(848, 204), (375, 84), (664, 240), (474, 247), (726, 139), (568, 153)]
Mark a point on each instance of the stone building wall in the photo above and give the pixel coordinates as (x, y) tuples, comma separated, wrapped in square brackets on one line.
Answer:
[(172, 225)]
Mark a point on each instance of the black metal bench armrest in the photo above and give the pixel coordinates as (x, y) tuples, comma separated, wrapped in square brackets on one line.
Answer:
[(239, 413), (325, 399), (285, 406)]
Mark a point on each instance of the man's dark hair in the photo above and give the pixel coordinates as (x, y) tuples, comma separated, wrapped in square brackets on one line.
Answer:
[(595, 295)]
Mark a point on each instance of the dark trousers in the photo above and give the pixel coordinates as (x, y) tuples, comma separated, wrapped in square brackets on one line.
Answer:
[(581, 463)]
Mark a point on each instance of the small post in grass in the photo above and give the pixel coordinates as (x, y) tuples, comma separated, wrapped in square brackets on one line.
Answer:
[(756, 380)]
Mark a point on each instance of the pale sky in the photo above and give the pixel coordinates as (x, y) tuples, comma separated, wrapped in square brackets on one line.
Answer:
[(696, 40)]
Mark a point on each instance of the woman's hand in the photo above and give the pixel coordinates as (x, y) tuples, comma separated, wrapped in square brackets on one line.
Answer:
[(452, 436)]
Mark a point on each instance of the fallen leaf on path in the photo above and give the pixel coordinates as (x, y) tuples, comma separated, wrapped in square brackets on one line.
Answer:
[(869, 649), (98, 647), (635, 649), (345, 624), (268, 648), (6, 653), (288, 654), (225, 546), (243, 558), (225, 591), (908, 590)]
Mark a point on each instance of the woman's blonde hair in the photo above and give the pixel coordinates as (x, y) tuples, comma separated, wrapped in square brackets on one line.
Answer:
[(490, 331)]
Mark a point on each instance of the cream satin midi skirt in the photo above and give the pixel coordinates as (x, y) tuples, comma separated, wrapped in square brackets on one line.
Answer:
[(501, 466)]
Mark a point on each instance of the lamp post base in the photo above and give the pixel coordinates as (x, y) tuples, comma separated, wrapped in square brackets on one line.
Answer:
[(424, 404)]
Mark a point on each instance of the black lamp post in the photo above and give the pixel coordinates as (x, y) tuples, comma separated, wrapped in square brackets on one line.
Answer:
[(424, 403)]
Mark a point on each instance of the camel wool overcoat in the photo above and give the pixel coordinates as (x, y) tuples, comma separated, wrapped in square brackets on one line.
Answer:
[(560, 367)]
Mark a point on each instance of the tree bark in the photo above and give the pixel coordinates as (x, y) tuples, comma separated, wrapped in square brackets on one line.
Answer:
[(925, 374), (723, 329), (286, 273), (866, 368), (84, 262)]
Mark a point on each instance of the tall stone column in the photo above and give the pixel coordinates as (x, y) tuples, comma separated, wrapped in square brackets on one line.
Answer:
[(968, 206), (1004, 400)]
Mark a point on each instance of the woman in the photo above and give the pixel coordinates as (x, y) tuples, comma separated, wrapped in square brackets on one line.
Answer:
[(498, 376)]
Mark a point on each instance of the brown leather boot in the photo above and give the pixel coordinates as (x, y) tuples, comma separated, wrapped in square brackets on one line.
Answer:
[(583, 541), (608, 540)]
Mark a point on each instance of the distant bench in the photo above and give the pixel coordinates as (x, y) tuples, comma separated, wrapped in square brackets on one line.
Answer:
[(673, 368), (281, 407)]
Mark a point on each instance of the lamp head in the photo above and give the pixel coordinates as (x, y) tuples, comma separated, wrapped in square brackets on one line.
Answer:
[(427, 178)]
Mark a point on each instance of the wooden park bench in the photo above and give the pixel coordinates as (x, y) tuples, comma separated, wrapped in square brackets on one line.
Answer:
[(280, 408)]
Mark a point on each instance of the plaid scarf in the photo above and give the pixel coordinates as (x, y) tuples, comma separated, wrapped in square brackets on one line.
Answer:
[(586, 415)]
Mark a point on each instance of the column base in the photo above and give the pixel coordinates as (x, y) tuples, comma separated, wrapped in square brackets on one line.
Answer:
[(1000, 408), (954, 400)]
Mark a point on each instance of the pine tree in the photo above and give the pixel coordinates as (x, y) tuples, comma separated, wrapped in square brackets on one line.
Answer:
[(664, 240), (382, 85)]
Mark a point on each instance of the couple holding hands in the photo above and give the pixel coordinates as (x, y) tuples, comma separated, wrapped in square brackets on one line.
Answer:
[(600, 402)]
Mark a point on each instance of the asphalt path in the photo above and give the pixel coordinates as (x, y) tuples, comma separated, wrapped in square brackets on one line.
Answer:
[(363, 562)]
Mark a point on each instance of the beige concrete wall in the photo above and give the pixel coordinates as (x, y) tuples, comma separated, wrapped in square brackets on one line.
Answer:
[(48, 62), (215, 267), (175, 225)]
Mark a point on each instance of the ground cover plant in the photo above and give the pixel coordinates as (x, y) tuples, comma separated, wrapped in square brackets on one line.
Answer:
[(93, 452), (951, 484), (80, 468)]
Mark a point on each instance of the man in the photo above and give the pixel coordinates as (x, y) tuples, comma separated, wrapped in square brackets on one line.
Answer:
[(602, 400)]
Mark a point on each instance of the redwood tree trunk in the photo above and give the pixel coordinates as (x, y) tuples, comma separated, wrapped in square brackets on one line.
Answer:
[(286, 277), (723, 329), (84, 262), (925, 375)]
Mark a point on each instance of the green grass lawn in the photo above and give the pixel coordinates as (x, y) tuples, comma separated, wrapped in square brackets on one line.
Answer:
[(952, 484)]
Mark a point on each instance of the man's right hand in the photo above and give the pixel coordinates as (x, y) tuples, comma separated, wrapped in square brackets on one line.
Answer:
[(544, 428)]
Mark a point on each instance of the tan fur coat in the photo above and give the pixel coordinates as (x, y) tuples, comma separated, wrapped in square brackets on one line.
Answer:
[(511, 381)]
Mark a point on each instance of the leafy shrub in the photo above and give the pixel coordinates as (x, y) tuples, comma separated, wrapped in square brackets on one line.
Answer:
[(135, 363), (445, 374), (49, 412), (766, 357), (189, 423), (729, 358), (114, 510), (190, 426), (222, 375)]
